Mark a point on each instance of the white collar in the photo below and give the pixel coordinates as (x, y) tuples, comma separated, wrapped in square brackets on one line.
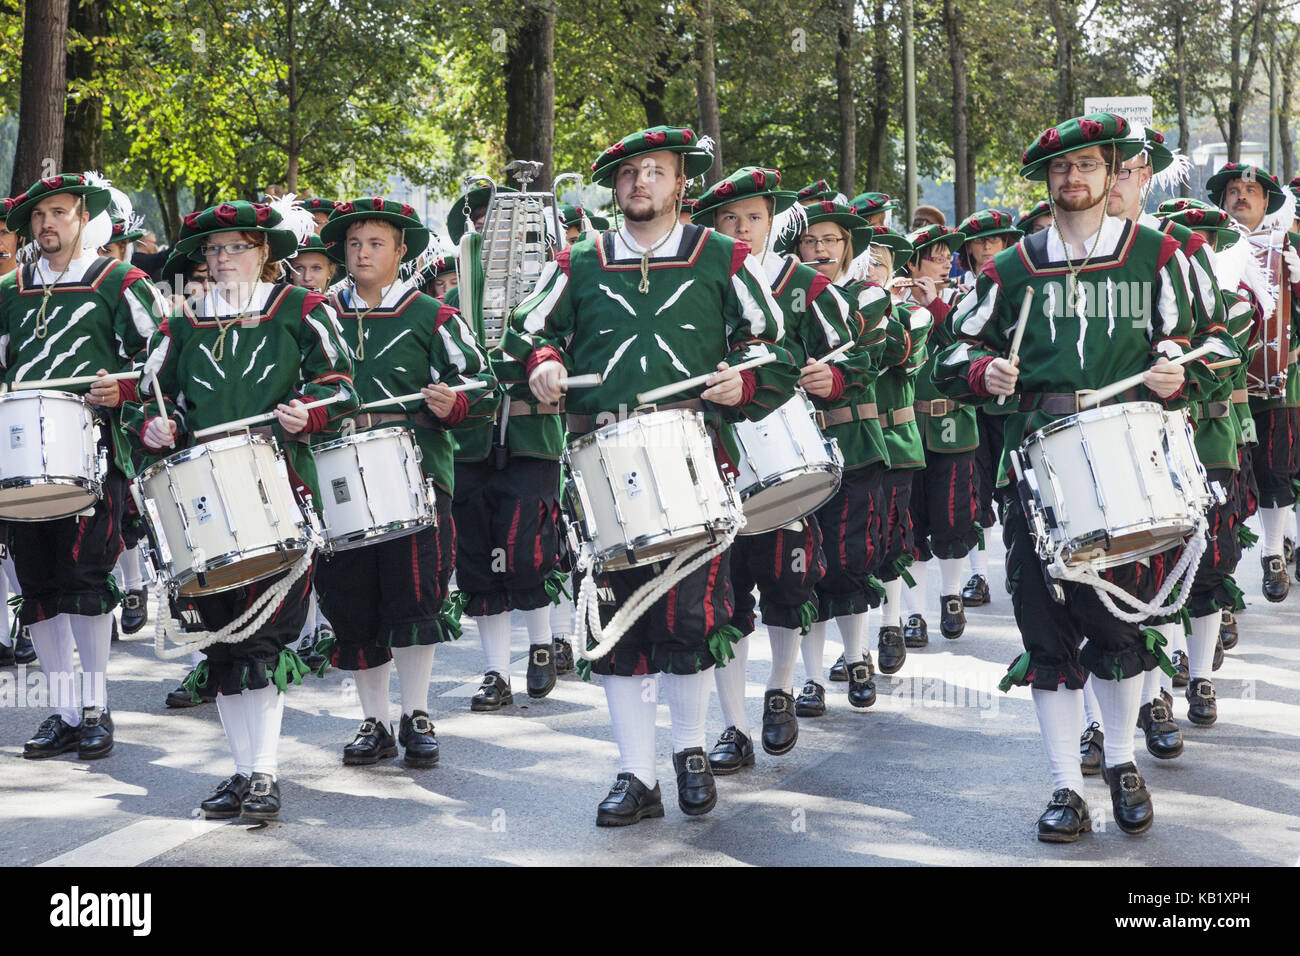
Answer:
[(215, 300), (45, 274), (625, 247), (389, 298), (1111, 229)]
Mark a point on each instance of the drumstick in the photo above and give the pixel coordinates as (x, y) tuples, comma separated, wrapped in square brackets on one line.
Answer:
[(162, 409), (78, 380), (1227, 363), (645, 398), (419, 396), (583, 381), (1110, 391), (832, 356), (260, 419), (1019, 333)]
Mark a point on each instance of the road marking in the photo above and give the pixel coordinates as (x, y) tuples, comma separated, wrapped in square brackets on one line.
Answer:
[(136, 844)]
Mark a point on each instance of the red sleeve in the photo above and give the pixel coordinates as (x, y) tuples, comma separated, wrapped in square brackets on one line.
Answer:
[(317, 418), (738, 253), (975, 376), (837, 385), (459, 409), (445, 312), (1167, 250), (562, 259), (748, 385), (939, 309), (543, 353), (1194, 242), (815, 287), (311, 300), (128, 390)]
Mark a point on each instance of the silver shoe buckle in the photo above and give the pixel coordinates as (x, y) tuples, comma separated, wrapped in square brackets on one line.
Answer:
[(696, 763)]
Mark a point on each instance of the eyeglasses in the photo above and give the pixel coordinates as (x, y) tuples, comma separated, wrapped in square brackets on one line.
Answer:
[(812, 242), (938, 255), (1062, 167), (230, 248)]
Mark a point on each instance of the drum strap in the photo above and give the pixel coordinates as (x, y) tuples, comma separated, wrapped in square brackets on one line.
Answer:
[(849, 413), (1240, 396), (1214, 409), (371, 419), (937, 407), (1067, 403), (523, 408), (898, 416), (582, 424)]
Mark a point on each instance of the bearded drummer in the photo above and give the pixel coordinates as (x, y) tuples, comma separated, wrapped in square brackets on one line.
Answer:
[(650, 303), (73, 312), (1076, 337)]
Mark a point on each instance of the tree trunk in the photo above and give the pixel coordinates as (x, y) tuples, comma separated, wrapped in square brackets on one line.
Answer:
[(44, 84), (1287, 63), (1180, 92), (881, 88), (1239, 75), (521, 89), (295, 135), (962, 161), (707, 90), (544, 85), (844, 96), (1063, 15), (83, 122)]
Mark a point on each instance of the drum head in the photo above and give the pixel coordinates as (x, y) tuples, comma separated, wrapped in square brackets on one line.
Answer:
[(241, 573), (45, 500), (795, 497)]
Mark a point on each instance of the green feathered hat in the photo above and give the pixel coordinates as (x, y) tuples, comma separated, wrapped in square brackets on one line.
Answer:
[(1198, 215), (819, 191), (869, 204), (93, 190), (571, 215), (839, 213), (334, 232), (1218, 183), (237, 216), (476, 198), (934, 235), (989, 222), (1095, 129), (747, 182), (1040, 208), (678, 139), (896, 241)]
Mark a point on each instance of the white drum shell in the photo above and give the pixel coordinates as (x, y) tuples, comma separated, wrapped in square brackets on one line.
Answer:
[(787, 467), (372, 488), (1117, 483), (647, 488), (49, 456)]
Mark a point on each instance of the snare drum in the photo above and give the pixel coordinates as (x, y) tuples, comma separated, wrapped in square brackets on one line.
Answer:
[(223, 515), (645, 489), (372, 488), (50, 461), (1111, 485), (787, 467)]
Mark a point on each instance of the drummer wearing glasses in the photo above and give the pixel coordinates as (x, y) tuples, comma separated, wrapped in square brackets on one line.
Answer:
[(651, 303)]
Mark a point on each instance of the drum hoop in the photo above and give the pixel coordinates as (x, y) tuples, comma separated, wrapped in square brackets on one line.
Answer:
[(226, 560), (781, 478), (614, 429), (29, 393), (393, 529), (195, 452), (600, 558), (356, 438), (1100, 413)]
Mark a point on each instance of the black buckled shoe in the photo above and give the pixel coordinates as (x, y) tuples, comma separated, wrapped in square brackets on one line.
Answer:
[(1228, 630), (415, 734), (96, 737), (780, 725), (135, 610), (1182, 670), (953, 622), (540, 680), (7, 658), (563, 651), (1164, 738), (862, 686), (839, 672), (890, 649), (1202, 709), (374, 741), (1288, 550), (915, 631), (53, 737), (811, 701), (181, 698), (697, 793), (629, 801), (493, 694), (1129, 798), (976, 592), (262, 801), (24, 649), (1090, 749), (731, 753), (1065, 818), (114, 637), (1217, 661), (227, 800), (1277, 582)]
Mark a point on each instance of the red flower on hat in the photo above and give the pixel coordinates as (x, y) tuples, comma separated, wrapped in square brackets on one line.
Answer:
[(973, 222), (687, 136), (1050, 140), (378, 203), (345, 208), (52, 182), (1195, 215), (997, 218), (1090, 129), (618, 149), (192, 221), (226, 214), (760, 178), (725, 189), (827, 206), (264, 214), (1229, 165), (408, 211), (656, 137)]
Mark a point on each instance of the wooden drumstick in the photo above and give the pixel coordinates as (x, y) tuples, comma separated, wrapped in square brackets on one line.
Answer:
[(593, 380), (260, 419), (419, 396), (646, 398), (1110, 391), (1019, 333), (832, 356), (1227, 363), (72, 382), (162, 409)]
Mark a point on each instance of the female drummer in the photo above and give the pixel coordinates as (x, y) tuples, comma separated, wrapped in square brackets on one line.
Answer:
[(252, 344), (787, 563), (384, 599), (852, 523)]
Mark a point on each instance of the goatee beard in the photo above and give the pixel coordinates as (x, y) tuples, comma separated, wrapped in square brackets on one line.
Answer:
[(1079, 205)]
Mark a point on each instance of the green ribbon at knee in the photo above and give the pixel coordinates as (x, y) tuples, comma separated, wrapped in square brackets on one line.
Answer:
[(554, 585), (289, 668), (900, 565), (979, 536), (1238, 596), (1015, 674), (1246, 539), (325, 648), (875, 584), (197, 678), (720, 642), (1155, 643), (807, 617), (452, 610)]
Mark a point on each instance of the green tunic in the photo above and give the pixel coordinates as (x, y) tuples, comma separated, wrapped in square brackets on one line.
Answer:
[(896, 387), (957, 431), (411, 340)]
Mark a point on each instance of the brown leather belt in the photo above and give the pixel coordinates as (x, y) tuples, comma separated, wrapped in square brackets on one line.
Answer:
[(899, 416), (1240, 396), (582, 424), (372, 419), (521, 407), (849, 413), (937, 407), (1214, 409), (1067, 403)]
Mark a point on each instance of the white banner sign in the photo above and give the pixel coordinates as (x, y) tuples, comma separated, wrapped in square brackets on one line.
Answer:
[(1137, 110)]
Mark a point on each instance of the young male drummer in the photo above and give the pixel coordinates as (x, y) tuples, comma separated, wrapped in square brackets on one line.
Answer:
[(73, 313), (785, 564), (648, 304), (1076, 337)]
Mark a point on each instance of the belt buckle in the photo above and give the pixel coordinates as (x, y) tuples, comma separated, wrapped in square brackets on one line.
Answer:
[(1080, 395), (649, 408), (819, 417), (939, 407)]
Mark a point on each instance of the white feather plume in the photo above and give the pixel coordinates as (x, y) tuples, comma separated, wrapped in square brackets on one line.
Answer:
[(706, 143), (787, 226), (97, 234), (294, 218), (28, 253), (1236, 266), (1285, 215), (1174, 175)]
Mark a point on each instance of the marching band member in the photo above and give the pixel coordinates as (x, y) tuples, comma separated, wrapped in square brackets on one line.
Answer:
[(1064, 347), (1038, 218), (311, 266), (73, 312), (853, 522), (384, 600), (250, 345), (647, 304), (1254, 199), (786, 564)]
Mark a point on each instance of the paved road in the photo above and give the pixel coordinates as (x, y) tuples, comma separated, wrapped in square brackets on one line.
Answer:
[(944, 769)]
